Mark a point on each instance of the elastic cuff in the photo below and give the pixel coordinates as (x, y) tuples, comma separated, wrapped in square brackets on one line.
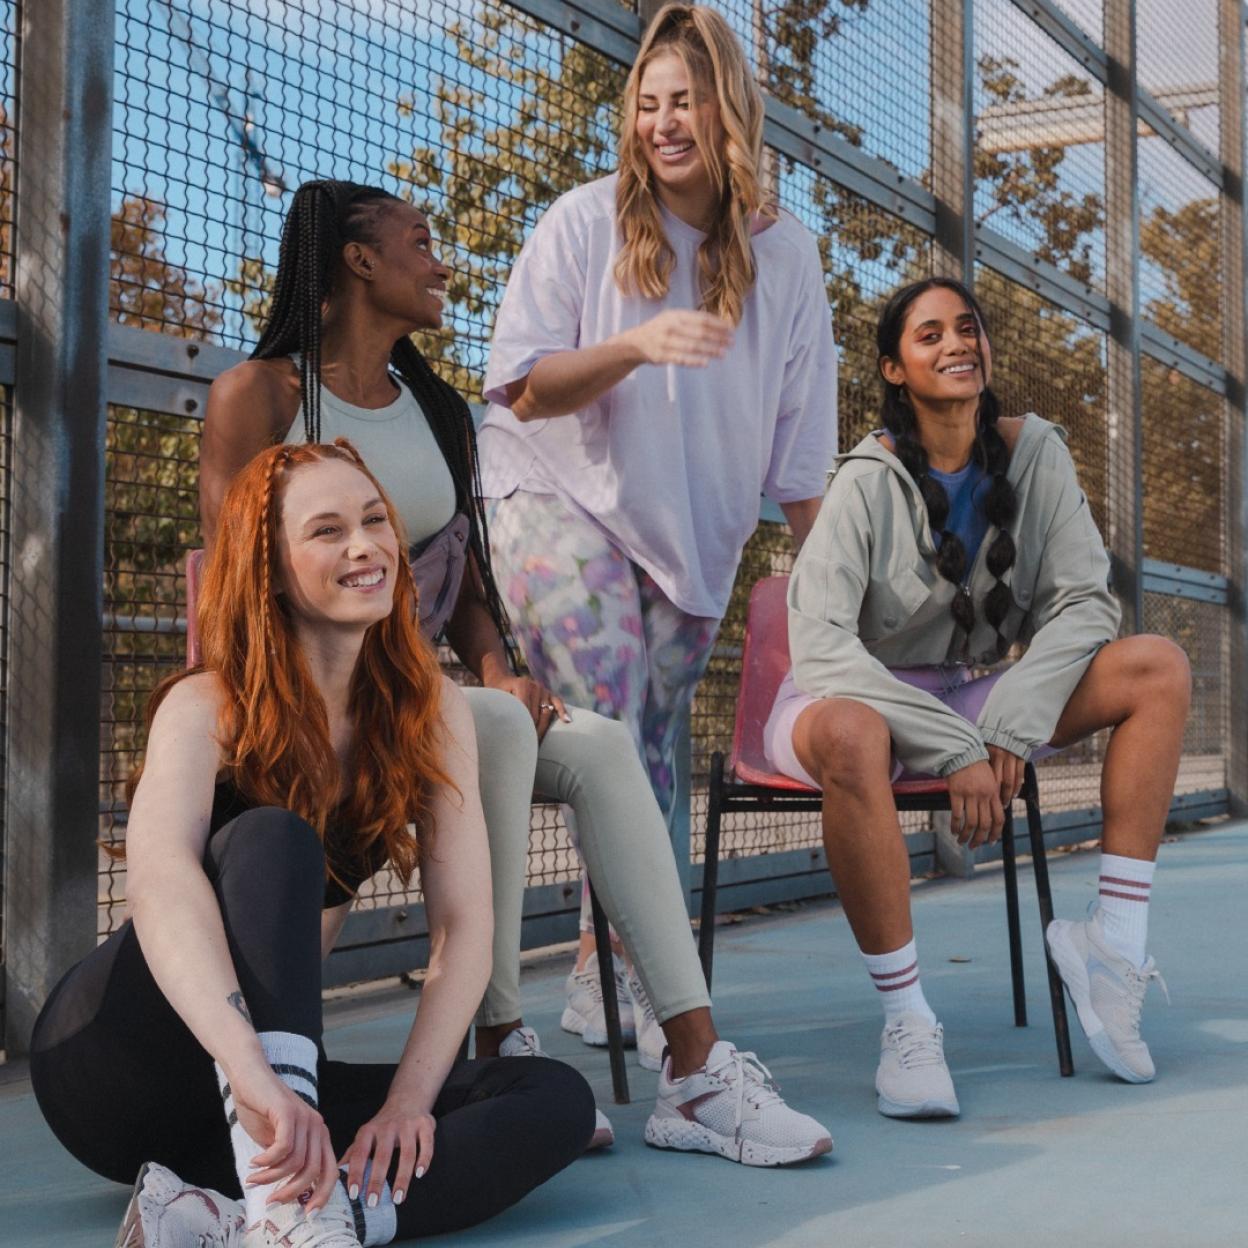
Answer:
[(1004, 739), (696, 1001), (976, 754)]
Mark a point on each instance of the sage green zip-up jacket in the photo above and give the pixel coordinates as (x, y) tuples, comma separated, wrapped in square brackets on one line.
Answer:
[(865, 596)]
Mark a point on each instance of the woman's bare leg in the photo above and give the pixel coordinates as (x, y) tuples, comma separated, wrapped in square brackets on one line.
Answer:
[(1140, 687), (845, 745)]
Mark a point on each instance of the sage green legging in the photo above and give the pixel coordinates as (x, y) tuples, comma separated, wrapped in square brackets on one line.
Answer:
[(591, 764)]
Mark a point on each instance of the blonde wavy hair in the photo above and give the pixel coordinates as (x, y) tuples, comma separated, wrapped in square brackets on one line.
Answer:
[(717, 68)]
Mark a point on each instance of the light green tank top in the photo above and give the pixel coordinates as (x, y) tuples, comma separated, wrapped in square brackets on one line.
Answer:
[(401, 452)]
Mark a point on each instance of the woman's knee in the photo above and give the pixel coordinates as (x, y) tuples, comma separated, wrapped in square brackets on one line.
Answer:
[(591, 749), (267, 836), (846, 744), (1157, 668), (503, 726)]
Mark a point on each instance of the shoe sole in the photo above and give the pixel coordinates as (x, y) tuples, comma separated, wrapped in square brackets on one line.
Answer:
[(692, 1137), (601, 1138), (131, 1233), (925, 1109), (575, 1022), (1074, 973)]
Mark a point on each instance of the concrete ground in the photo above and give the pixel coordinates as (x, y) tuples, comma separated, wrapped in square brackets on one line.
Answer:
[(1034, 1159)]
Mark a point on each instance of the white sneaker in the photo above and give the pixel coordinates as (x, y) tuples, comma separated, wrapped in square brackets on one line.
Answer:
[(583, 1016), (732, 1108), (523, 1042), (165, 1212), (650, 1038), (1108, 994), (912, 1080), (289, 1225)]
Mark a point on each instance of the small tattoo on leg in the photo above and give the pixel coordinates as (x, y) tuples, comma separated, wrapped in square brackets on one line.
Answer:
[(236, 1000)]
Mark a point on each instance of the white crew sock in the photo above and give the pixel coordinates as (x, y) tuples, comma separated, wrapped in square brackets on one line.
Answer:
[(1125, 887), (896, 978), (377, 1225), (293, 1058)]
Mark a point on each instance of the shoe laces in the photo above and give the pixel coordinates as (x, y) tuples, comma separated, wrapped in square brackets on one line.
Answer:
[(1138, 979), (753, 1082), (525, 1044), (917, 1046)]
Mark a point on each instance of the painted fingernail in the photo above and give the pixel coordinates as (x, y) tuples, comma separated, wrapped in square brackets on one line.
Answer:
[(420, 1172), (398, 1196), (355, 1191), (372, 1200)]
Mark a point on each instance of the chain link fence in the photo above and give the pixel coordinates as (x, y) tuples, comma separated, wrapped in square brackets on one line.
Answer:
[(485, 111)]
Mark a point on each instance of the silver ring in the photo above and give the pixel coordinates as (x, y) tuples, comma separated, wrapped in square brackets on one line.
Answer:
[(546, 706)]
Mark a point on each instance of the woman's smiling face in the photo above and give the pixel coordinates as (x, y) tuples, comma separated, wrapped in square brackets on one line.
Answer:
[(943, 354), (337, 551), (674, 119)]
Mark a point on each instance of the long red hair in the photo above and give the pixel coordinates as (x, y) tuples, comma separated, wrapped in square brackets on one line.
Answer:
[(274, 729)]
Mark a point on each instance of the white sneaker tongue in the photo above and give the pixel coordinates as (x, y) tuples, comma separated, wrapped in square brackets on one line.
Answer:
[(722, 1052)]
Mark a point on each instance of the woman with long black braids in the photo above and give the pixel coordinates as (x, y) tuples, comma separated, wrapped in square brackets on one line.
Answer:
[(943, 539), (357, 276)]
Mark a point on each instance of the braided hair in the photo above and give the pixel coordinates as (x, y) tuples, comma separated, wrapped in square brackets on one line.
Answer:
[(324, 217), (989, 452)]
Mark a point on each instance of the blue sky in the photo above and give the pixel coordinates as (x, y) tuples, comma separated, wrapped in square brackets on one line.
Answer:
[(318, 83)]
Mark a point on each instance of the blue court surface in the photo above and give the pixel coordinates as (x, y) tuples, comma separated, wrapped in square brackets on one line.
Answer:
[(1034, 1159)]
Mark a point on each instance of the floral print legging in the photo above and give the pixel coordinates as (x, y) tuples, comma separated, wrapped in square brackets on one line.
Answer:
[(597, 630)]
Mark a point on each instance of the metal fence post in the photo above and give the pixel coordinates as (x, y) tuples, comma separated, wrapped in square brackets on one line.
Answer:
[(1231, 86), (62, 236), (953, 139), (1124, 504)]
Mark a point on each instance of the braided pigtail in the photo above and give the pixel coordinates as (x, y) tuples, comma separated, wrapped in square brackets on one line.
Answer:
[(1000, 506), (279, 461), (451, 421), (951, 559)]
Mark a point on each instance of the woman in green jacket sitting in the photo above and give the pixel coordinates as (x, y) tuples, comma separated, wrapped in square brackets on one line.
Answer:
[(943, 539)]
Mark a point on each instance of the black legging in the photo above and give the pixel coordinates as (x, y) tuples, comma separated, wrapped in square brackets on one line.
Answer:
[(121, 1080)]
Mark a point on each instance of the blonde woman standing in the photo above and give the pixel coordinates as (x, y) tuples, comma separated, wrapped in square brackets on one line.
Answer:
[(663, 355)]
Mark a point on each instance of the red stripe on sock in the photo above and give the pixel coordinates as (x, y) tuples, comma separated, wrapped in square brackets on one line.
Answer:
[(1114, 879), (895, 987), (905, 970), (1109, 892)]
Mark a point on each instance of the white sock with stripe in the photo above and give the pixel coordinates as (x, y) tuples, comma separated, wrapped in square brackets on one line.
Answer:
[(1125, 887), (293, 1059), (896, 978), (377, 1225)]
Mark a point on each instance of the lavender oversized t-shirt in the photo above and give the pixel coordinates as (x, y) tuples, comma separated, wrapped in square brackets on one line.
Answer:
[(670, 462)]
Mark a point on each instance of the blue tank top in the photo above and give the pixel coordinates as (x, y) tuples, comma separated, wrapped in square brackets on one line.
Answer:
[(967, 490)]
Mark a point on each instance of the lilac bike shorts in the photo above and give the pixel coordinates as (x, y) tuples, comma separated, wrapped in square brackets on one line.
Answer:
[(953, 685)]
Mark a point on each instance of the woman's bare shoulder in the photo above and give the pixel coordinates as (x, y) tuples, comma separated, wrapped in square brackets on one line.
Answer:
[(194, 702), (270, 386)]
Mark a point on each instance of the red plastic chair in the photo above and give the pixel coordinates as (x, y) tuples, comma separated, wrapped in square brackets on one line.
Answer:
[(746, 782)]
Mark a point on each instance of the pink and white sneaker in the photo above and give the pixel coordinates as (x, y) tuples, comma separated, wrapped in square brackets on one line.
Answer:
[(731, 1107), (165, 1212)]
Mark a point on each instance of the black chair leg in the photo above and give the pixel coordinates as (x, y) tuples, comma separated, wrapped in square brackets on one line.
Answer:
[(1011, 917), (1040, 865), (710, 867), (610, 1003)]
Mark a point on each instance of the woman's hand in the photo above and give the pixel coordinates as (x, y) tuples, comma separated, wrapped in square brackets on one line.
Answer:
[(540, 702), (295, 1139), (975, 804), (692, 339), (392, 1127), (1008, 769)]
